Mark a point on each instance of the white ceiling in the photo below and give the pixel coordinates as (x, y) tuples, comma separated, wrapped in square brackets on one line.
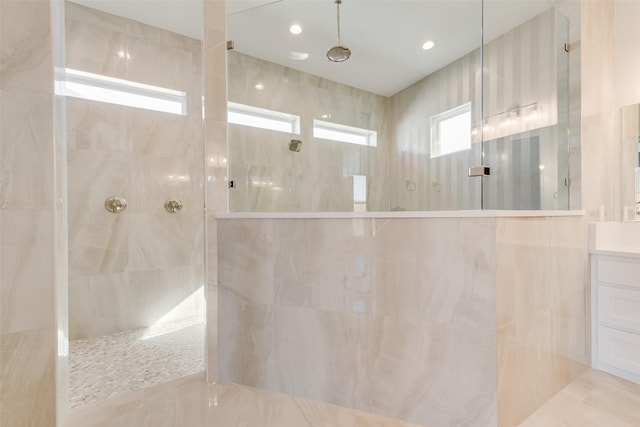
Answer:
[(385, 36)]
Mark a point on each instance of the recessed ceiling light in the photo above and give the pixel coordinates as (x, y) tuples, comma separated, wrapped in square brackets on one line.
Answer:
[(259, 86), (295, 29), (428, 45), (298, 56)]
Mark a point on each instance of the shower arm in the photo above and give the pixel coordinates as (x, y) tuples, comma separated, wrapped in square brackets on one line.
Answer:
[(338, 3)]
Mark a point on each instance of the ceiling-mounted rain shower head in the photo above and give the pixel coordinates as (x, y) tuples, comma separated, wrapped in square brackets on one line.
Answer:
[(338, 53)]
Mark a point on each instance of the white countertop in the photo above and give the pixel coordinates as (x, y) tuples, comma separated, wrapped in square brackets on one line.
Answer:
[(398, 214), (615, 238)]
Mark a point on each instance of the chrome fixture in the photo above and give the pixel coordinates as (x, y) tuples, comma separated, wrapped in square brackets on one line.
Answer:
[(479, 171), (115, 204), (295, 145), (173, 206), (338, 53)]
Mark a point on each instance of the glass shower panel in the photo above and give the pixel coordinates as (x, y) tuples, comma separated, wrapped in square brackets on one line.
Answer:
[(437, 129), (365, 139), (525, 107)]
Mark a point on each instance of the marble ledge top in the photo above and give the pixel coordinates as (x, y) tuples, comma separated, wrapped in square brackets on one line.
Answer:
[(618, 252), (400, 214)]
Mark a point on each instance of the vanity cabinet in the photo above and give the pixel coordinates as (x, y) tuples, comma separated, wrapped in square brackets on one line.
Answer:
[(615, 299)]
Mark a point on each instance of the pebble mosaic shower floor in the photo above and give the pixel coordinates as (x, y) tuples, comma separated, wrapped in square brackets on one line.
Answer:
[(107, 366)]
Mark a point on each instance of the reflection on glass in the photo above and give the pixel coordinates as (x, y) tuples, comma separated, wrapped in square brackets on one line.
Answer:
[(515, 105)]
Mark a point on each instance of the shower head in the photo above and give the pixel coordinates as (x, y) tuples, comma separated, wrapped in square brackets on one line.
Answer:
[(338, 53), (295, 145)]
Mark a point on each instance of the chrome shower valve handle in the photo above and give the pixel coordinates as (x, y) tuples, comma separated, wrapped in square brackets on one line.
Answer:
[(115, 204)]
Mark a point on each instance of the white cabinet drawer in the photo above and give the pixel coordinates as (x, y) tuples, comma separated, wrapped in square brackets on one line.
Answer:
[(619, 307), (618, 349), (618, 272)]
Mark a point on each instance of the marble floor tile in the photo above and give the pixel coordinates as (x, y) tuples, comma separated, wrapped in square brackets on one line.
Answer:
[(191, 402), (107, 366), (595, 399)]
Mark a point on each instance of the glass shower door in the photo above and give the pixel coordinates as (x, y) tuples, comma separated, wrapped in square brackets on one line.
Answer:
[(525, 109)]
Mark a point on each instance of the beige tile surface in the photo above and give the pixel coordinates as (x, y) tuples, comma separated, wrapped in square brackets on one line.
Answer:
[(191, 402), (393, 317), (595, 399)]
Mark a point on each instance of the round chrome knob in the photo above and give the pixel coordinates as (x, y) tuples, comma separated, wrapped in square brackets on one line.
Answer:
[(115, 204), (173, 206)]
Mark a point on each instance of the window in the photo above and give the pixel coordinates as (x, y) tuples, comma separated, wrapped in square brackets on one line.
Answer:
[(344, 133), (247, 115), (451, 131), (96, 87)]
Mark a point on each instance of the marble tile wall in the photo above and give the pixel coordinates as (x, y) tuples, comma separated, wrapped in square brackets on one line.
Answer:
[(436, 321), (29, 215), (216, 155), (390, 316), (627, 94), (132, 269), (600, 142), (269, 177), (543, 326)]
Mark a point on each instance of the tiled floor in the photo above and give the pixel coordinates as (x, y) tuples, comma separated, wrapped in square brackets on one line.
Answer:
[(595, 399), (107, 366)]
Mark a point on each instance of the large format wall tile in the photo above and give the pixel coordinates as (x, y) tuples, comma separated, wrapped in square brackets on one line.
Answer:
[(146, 157), (442, 271), (28, 217), (395, 317), (541, 307), (439, 321)]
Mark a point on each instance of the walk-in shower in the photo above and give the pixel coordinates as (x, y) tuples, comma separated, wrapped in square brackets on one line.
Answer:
[(395, 129), (135, 184)]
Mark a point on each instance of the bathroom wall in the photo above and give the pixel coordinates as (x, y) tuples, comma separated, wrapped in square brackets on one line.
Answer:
[(30, 225), (439, 321), (600, 139), (143, 265), (391, 316), (215, 134), (543, 326), (270, 178), (627, 64)]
